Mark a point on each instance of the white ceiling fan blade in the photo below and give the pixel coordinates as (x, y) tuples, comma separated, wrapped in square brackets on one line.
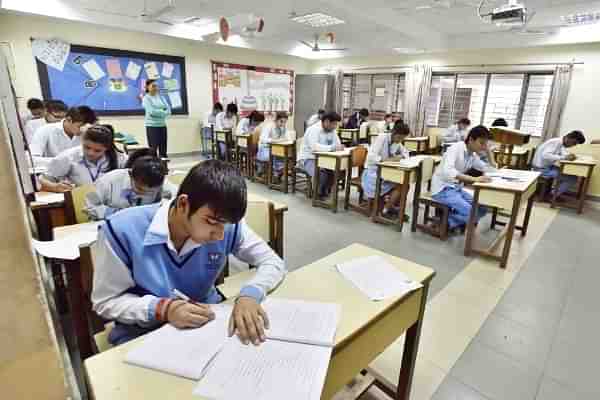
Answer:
[(306, 44), (95, 10), (339, 49), (530, 17), (161, 11), (162, 21)]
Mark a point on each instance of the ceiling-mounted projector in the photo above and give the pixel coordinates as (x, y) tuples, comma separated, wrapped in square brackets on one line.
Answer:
[(509, 14)]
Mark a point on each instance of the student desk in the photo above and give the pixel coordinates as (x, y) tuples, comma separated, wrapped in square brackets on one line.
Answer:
[(286, 151), (582, 168), (419, 144), (506, 195), (279, 209), (349, 136), (243, 143), (365, 330), (518, 159), (338, 162), (225, 137), (371, 136), (48, 212)]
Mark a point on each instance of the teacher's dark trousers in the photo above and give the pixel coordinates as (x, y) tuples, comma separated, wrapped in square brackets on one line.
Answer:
[(157, 139)]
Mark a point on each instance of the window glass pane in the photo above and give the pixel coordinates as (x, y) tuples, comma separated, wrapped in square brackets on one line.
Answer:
[(383, 93), (504, 97), (536, 102), (470, 93), (362, 91), (347, 95), (399, 104), (439, 102)]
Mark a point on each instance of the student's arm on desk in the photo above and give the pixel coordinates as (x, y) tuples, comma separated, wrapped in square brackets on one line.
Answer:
[(96, 201), (450, 173), (56, 177)]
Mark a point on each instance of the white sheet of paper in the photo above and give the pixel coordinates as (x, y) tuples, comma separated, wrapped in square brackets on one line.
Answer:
[(302, 321), (272, 371), (377, 278), (49, 198), (133, 70), (183, 352), (66, 248), (93, 69), (175, 99), (167, 70), (151, 70), (53, 52)]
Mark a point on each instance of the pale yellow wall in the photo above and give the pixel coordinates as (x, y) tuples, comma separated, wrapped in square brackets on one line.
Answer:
[(183, 130), (580, 111)]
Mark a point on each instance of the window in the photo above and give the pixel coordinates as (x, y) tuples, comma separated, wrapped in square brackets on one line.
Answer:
[(520, 98), (379, 93)]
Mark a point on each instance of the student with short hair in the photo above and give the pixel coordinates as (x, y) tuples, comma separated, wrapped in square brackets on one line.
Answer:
[(35, 110), (227, 120), (144, 253), (500, 122), (52, 139), (457, 132), (141, 183), (451, 176), (315, 118), (157, 110), (387, 145), (84, 164), (209, 124), (271, 133), (248, 124), (54, 111), (356, 120), (553, 150), (388, 123), (320, 137)]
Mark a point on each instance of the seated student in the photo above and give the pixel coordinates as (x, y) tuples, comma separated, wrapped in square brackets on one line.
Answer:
[(457, 132), (388, 123), (84, 164), (356, 120), (52, 139), (210, 121), (275, 132), (248, 125), (35, 110), (226, 121), (314, 118), (142, 182), (320, 137), (386, 146), (55, 110), (553, 150), (450, 177), (144, 253)]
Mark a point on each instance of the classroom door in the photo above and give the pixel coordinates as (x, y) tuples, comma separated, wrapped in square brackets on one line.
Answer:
[(310, 96)]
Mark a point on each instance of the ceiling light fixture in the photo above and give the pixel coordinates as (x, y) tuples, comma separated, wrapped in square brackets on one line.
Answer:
[(581, 18), (317, 20)]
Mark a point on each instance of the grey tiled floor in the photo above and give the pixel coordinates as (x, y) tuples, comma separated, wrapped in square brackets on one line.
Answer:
[(541, 342)]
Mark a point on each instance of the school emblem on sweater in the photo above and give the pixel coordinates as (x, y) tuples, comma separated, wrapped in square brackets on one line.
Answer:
[(214, 258)]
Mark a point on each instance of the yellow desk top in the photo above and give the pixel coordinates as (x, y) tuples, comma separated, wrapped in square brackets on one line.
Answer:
[(283, 143), (417, 139), (337, 154), (110, 378), (62, 231), (526, 179), (278, 206), (517, 151), (581, 160), (45, 199)]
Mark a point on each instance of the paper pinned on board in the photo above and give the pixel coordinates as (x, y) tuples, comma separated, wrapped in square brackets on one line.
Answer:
[(133, 71), (171, 84), (113, 66), (66, 248), (175, 99), (167, 70), (52, 52), (94, 70), (151, 70)]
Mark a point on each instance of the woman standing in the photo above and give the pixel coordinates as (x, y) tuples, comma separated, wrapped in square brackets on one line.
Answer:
[(157, 110)]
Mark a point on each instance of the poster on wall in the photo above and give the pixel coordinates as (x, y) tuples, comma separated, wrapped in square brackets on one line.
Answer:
[(253, 88)]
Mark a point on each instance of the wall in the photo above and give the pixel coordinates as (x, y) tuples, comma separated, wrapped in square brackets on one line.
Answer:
[(183, 130), (583, 96), (29, 362)]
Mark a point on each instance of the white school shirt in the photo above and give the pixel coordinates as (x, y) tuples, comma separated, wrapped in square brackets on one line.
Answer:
[(243, 127), (71, 166), (49, 141), (32, 126), (210, 120), (271, 133), (222, 123), (316, 139), (114, 192), (383, 148), (549, 152), (112, 277), (457, 160), (453, 135), (312, 120)]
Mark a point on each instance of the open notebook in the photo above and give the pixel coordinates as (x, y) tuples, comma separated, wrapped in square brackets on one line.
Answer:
[(291, 364)]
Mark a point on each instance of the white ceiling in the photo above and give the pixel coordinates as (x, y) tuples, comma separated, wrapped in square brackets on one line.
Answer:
[(373, 27)]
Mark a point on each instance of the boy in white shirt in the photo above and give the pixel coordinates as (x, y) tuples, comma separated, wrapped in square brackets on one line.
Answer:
[(553, 150), (320, 137), (450, 177), (35, 110), (273, 132), (456, 133), (209, 124), (315, 118), (56, 111)]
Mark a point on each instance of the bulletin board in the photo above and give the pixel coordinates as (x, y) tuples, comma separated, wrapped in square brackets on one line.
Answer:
[(112, 82), (253, 88)]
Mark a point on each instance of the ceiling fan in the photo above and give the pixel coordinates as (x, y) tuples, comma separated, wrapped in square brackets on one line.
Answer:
[(523, 30), (315, 45), (146, 15)]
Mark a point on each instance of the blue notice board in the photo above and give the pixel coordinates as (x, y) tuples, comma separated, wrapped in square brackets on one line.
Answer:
[(112, 81)]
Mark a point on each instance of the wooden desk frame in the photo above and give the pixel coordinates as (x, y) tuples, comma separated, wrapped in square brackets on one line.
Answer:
[(225, 137), (336, 163), (287, 152), (417, 144), (354, 136), (583, 171), (243, 144)]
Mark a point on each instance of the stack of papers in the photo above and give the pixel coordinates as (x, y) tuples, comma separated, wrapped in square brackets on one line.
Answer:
[(66, 248), (377, 278)]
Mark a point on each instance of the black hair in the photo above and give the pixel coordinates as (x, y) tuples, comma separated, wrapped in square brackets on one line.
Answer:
[(577, 136), (232, 108), (56, 106), (281, 115), (388, 116), (218, 185), (256, 116), (218, 106), (331, 116), (500, 122), (321, 111), (149, 170), (400, 129), (363, 112), (478, 132), (104, 135), (464, 121), (143, 152), (148, 83), (34, 104), (82, 114)]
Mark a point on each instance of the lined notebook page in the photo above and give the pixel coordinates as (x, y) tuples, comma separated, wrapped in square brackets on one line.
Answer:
[(302, 321), (275, 370), (377, 278), (183, 352)]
